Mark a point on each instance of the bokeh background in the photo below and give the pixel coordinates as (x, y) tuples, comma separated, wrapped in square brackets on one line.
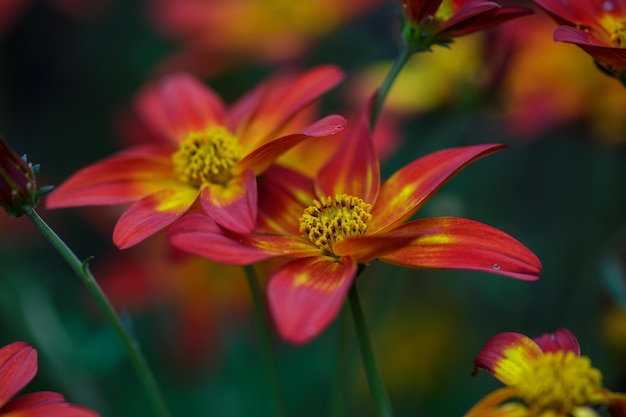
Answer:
[(68, 73)]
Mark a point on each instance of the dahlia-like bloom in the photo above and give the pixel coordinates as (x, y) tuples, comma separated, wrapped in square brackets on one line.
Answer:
[(343, 219), (597, 27), (18, 366), (544, 377), (430, 22), (204, 151)]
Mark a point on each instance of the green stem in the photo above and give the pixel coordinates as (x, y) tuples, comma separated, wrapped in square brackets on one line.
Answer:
[(264, 334), (132, 347), (383, 91), (367, 355), (339, 381)]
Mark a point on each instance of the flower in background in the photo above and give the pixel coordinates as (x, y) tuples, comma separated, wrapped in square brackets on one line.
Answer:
[(545, 376), (18, 366), (18, 182), (539, 95), (597, 27), (204, 152), (344, 219), (264, 30), (436, 22)]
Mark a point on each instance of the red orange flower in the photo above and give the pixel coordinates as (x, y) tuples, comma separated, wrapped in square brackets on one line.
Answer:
[(344, 218), (430, 22), (18, 366), (204, 151), (545, 376), (597, 27)]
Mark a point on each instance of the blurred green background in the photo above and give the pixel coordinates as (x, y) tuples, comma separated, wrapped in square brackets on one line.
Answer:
[(67, 77)]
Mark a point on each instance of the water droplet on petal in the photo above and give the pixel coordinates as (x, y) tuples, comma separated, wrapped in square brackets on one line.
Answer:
[(496, 266)]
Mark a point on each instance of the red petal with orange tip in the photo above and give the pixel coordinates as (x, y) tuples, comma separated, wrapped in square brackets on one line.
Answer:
[(116, 180), (411, 186), (456, 243), (151, 214), (306, 295), (261, 158), (190, 105), (561, 339), (506, 355), (283, 195), (234, 206), (18, 366), (284, 95), (353, 169)]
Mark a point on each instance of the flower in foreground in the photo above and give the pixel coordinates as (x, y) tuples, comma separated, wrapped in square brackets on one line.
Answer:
[(18, 366), (18, 182), (206, 153), (597, 27), (544, 377), (436, 22), (342, 219)]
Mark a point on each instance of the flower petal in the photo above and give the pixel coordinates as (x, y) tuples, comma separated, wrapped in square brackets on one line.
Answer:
[(561, 339), (457, 243), (366, 248), (305, 295), (190, 105), (45, 403), (198, 234), (506, 356), (488, 406), (234, 205), (480, 15), (612, 55), (18, 366), (261, 158), (283, 195), (151, 214), (410, 187), (282, 97), (353, 169), (116, 180)]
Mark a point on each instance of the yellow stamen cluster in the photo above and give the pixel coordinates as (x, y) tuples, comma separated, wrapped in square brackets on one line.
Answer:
[(333, 219), (207, 157), (559, 382), (615, 27)]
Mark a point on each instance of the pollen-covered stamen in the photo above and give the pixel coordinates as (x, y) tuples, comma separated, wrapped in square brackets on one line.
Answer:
[(207, 156), (333, 219), (559, 382)]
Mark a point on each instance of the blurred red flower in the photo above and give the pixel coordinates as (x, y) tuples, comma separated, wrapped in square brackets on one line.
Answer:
[(18, 366), (203, 152)]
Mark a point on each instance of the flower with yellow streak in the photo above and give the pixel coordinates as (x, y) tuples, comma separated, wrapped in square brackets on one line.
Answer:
[(597, 27), (203, 153), (545, 377), (344, 218)]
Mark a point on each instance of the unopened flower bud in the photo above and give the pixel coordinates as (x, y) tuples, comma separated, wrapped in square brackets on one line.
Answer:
[(18, 186)]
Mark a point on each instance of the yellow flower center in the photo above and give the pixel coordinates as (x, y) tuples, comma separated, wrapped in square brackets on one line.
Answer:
[(615, 26), (331, 220), (559, 382), (207, 157)]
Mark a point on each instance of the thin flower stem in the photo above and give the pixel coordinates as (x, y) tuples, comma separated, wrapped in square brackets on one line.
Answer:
[(339, 380), (367, 355), (132, 347), (264, 334), (383, 91)]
